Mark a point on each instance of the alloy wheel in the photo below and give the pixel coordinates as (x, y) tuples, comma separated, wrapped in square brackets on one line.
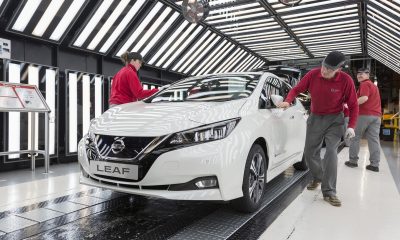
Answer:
[(256, 177)]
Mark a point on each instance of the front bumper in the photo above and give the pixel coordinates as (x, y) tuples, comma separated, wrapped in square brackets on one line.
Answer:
[(218, 159)]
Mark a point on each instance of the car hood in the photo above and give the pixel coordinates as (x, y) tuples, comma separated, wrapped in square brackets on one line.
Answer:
[(157, 119)]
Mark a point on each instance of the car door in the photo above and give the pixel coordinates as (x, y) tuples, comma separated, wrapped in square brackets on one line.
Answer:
[(295, 124), (276, 122)]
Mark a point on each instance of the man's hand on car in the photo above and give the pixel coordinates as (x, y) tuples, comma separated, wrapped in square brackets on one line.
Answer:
[(283, 105)]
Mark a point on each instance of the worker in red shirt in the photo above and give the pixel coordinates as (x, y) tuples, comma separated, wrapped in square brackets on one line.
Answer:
[(330, 88), (368, 123), (126, 86)]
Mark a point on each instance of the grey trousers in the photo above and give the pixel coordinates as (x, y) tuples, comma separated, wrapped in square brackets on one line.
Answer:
[(330, 128), (368, 126)]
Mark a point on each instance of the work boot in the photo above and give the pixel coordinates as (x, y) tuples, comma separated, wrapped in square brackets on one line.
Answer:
[(351, 164), (372, 168), (333, 200), (313, 185)]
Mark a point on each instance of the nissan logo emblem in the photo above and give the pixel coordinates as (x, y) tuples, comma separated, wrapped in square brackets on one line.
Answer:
[(117, 146)]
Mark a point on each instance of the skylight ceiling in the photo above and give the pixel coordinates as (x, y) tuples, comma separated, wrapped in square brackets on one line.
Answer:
[(238, 35), (324, 26), (47, 20), (248, 23), (107, 22), (384, 32)]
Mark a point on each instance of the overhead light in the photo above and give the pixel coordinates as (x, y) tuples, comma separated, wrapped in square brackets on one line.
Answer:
[(247, 62), (333, 36), (217, 59), (151, 30), (176, 44), (182, 47), (160, 33), (92, 23), (318, 12), (324, 19), (228, 60), (122, 25), (258, 39), (140, 29), (190, 51), (211, 55), (169, 41), (320, 17), (310, 5), (26, 15), (321, 26), (69, 15), (246, 58), (202, 53), (317, 29), (107, 25), (252, 29), (237, 18), (47, 17), (231, 26), (237, 13), (234, 61)]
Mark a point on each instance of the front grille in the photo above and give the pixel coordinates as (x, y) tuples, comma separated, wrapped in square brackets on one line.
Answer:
[(121, 147)]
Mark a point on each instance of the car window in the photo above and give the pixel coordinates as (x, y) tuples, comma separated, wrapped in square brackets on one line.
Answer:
[(208, 89), (272, 86)]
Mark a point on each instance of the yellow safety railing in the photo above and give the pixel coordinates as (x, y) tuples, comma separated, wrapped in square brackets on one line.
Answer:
[(392, 121)]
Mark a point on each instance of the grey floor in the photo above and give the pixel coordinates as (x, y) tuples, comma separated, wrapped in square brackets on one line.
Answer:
[(26, 175), (392, 154)]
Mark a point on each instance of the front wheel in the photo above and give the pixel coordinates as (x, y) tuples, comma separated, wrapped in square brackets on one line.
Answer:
[(254, 179)]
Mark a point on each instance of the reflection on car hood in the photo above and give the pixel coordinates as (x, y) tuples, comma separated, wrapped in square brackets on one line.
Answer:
[(157, 119)]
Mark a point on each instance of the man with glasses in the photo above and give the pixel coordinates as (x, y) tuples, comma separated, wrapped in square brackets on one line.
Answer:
[(330, 89), (368, 123)]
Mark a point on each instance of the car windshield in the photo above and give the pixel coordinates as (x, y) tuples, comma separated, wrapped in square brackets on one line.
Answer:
[(209, 89)]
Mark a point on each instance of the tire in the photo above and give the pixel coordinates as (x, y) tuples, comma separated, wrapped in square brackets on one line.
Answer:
[(301, 166), (254, 175)]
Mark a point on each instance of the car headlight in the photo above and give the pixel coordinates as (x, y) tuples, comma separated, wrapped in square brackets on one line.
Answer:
[(207, 133)]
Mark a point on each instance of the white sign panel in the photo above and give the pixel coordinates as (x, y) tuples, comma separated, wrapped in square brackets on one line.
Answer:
[(5, 48), (20, 97)]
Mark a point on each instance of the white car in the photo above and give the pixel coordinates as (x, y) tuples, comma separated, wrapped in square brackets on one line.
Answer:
[(213, 137)]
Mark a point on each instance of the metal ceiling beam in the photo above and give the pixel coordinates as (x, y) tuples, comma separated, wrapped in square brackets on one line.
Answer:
[(213, 29), (362, 9), (280, 21)]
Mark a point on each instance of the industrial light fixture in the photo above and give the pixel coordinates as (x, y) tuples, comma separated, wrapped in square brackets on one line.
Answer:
[(117, 32), (92, 23), (26, 15), (44, 22), (66, 20), (107, 25), (171, 39)]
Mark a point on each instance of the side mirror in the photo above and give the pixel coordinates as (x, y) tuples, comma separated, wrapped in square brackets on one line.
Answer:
[(276, 99)]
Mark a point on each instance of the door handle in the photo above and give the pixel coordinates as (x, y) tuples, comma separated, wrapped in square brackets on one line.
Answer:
[(291, 117)]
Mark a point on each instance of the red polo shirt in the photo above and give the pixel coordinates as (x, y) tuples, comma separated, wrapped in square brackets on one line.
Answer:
[(126, 87), (328, 95), (373, 105)]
